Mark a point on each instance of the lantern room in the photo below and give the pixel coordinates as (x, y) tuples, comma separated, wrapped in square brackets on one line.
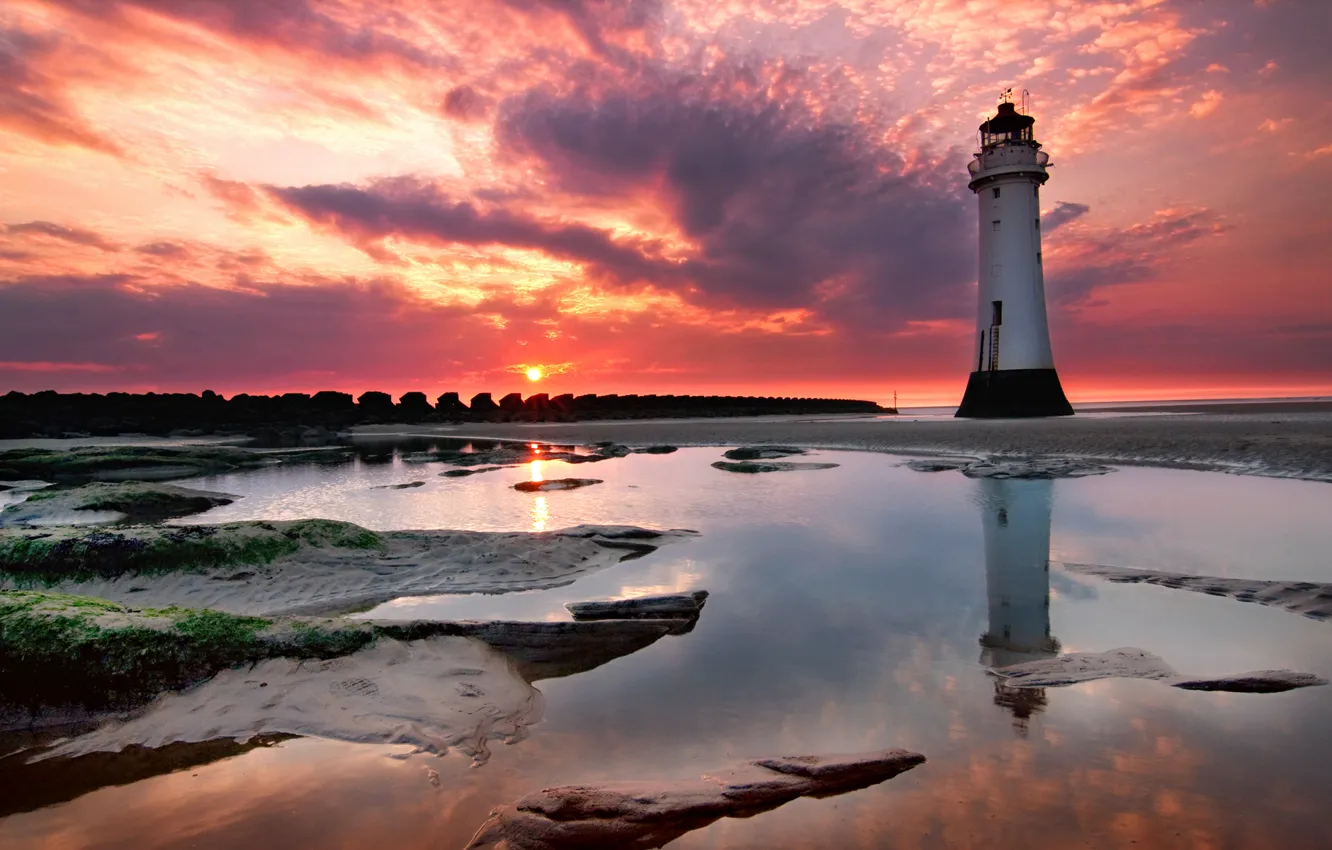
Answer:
[(1007, 127)]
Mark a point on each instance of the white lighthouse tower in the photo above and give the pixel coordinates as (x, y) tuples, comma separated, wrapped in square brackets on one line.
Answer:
[(1015, 373), (1015, 516)]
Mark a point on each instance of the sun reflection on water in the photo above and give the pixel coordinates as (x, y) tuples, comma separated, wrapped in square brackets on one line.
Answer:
[(540, 512)]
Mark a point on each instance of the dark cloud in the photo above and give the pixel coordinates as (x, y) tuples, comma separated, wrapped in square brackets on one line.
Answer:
[(297, 25), (77, 235), (598, 21), (350, 334), (262, 332), (31, 102), (1062, 214), (787, 209), (465, 104), (1175, 228), (163, 248), (1123, 255), (1066, 287), (421, 212)]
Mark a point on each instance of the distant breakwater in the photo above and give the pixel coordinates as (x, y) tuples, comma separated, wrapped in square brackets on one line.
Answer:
[(52, 414)]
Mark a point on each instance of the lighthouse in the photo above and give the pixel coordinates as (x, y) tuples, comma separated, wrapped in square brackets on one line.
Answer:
[(1015, 518), (1014, 366)]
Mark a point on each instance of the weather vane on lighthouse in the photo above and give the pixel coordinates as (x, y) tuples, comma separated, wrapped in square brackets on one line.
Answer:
[(1015, 373)]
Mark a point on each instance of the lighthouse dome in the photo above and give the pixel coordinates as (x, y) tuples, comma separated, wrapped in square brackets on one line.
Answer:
[(1008, 125)]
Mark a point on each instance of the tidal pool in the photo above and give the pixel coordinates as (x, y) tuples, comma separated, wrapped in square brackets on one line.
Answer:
[(851, 609)]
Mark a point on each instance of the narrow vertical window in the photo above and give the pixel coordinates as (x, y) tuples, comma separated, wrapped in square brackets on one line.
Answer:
[(1038, 258), (995, 224), (996, 191), (1038, 224), (996, 312)]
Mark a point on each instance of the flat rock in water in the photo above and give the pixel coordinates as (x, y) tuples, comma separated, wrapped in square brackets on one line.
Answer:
[(645, 607), (1312, 599), (652, 814), (655, 450), (1257, 682), (495, 457), (932, 465), (550, 650), (751, 466), (463, 473), (111, 502), (1054, 467), (762, 452), (1133, 663), (407, 486), (555, 484)]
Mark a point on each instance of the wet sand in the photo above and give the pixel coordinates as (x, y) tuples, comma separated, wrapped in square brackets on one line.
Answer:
[(1246, 439)]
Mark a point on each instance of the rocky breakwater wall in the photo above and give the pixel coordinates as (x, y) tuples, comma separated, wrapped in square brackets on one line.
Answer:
[(293, 419)]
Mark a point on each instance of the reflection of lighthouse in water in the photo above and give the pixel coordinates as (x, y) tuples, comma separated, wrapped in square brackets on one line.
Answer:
[(1015, 516)]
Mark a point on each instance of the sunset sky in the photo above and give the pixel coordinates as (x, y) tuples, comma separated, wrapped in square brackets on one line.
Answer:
[(702, 196)]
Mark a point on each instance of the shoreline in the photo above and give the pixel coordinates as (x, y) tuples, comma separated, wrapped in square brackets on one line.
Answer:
[(1295, 445)]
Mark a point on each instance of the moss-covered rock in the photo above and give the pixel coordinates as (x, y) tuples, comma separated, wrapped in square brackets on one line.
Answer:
[(63, 649), (33, 557), (125, 462), (753, 466), (135, 501)]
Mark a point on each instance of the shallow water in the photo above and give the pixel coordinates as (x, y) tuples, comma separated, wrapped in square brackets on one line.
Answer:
[(846, 613)]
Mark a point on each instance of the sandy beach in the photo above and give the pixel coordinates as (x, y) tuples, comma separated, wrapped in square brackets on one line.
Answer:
[(1241, 438)]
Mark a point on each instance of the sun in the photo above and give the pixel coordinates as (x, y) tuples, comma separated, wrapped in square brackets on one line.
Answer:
[(534, 374)]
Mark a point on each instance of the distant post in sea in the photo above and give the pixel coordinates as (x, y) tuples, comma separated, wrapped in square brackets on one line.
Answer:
[(1015, 373)]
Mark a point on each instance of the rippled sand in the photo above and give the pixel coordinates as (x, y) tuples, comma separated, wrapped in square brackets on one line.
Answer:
[(1241, 438)]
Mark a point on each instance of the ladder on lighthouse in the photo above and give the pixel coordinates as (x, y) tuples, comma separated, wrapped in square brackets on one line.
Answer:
[(994, 348)]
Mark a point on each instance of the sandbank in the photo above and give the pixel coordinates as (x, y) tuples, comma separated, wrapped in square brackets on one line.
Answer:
[(1129, 662), (1312, 599), (436, 685), (1247, 440), (305, 566)]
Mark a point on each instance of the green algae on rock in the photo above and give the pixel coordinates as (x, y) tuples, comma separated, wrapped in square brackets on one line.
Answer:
[(305, 566), (134, 501), (126, 462), (59, 648), (80, 553), (63, 650)]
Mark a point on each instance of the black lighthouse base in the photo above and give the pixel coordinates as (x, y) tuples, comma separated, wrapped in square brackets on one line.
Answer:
[(1012, 393)]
